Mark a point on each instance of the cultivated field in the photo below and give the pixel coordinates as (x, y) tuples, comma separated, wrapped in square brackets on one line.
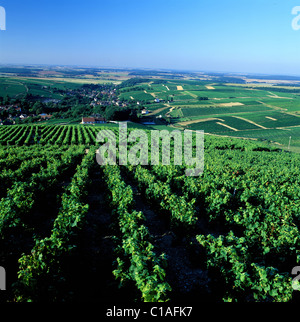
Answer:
[(150, 233), (244, 109), (145, 233)]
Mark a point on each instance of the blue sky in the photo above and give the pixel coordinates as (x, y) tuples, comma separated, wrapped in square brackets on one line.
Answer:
[(236, 36)]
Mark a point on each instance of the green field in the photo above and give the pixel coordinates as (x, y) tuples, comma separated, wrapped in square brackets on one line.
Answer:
[(145, 233), (248, 111), (231, 121), (195, 111), (151, 233), (137, 95), (282, 136), (17, 87), (273, 119)]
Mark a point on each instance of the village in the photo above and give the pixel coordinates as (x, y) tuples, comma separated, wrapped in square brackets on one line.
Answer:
[(89, 104)]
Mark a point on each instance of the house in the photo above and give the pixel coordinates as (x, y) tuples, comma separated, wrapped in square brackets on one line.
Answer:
[(100, 120), (45, 116), (158, 100), (118, 103), (96, 118), (88, 120)]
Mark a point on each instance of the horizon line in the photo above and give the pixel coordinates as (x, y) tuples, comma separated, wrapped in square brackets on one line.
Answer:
[(147, 68)]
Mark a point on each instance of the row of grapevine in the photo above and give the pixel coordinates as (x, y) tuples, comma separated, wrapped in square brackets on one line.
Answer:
[(248, 198), (11, 157), (87, 137), (66, 139), (45, 135), (12, 138), (232, 256), (80, 135), (145, 268), (239, 219), (46, 255), (90, 134), (21, 196), (27, 167), (7, 133), (4, 130), (29, 136), (59, 137), (257, 199), (182, 213), (56, 136), (74, 136), (35, 138), (21, 138), (25, 136), (48, 135)]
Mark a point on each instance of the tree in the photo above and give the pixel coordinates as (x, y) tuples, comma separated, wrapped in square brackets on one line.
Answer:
[(110, 113), (37, 108), (6, 100)]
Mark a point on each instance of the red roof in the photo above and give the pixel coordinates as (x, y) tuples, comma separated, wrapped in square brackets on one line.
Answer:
[(88, 120), (46, 116)]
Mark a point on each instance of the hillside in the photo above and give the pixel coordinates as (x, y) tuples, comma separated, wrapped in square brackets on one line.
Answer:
[(258, 111), (145, 233), (225, 105)]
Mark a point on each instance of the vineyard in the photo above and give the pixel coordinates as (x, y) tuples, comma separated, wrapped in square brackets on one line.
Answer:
[(72, 230), (43, 134)]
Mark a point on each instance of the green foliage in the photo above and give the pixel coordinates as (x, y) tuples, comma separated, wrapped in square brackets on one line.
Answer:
[(230, 256), (243, 210), (182, 213), (145, 267), (43, 264)]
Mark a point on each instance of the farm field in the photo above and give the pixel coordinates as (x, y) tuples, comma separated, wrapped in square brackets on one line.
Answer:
[(139, 96), (149, 157), (150, 233), (281, 136), (249, 111), (145, 233), (244, 109), (18, 87)]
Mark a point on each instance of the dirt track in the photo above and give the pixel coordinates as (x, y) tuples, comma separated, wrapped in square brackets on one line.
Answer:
[(246, 120), (200, 121)]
